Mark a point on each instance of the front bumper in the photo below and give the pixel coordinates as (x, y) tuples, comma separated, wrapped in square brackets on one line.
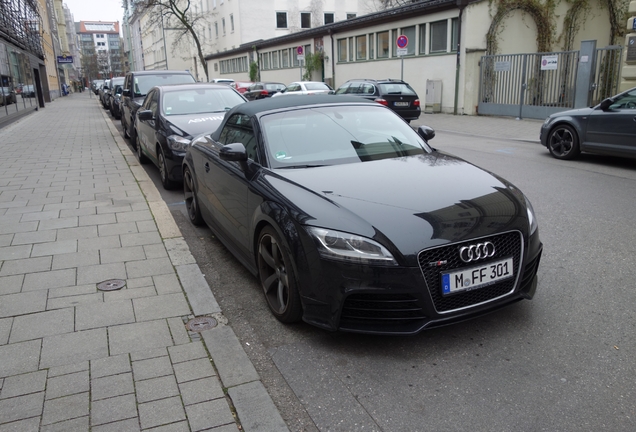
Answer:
[(400, 300)]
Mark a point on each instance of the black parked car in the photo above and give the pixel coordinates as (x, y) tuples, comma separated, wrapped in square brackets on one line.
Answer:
[(395, 94), (95, 84), (607, 128), (262, 90), (103, 93), (172, 115), (136, 85), (351, 221), (114, 96)]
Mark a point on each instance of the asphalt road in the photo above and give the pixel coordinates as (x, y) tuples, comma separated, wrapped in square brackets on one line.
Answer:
[(564, 361)]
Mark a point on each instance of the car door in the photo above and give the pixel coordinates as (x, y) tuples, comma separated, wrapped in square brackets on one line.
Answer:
[(613, 130), (228, 184), (147, 128)]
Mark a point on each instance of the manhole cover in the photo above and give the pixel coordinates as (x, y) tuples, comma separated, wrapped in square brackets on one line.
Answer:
[(111, 285), (200, 324)]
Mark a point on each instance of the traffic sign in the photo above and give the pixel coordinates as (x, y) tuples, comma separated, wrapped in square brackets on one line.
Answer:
[(402, 41), (299, 50)]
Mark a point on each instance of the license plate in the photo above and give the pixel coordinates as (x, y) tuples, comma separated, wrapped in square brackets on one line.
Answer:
[(402, 104), (476, 277)]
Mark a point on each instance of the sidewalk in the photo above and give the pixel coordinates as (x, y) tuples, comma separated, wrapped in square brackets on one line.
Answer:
[(77, 210), (484, 126)]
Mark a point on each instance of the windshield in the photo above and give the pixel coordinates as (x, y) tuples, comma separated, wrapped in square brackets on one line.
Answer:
[(198, 101), (144, 83), (317, 86), (337, 135), (397, 88), (274, 87)]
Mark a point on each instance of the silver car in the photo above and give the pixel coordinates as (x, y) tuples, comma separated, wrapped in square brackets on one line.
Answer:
[(607, 128), (305, 88)]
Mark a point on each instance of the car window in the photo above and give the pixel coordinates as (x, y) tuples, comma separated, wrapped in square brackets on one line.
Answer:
[(343, 88), (238, 129), (274, 87), (293, 87), (199, 101), (367, 89), (397, 88), (330, 136), (625, 101)]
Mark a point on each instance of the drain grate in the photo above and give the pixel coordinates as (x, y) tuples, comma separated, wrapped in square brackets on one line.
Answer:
[(200, 324), (111, 285)]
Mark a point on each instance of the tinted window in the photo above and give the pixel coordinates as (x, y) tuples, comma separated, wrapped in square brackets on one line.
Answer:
[(144, 83), (317, 86), (238, 129)]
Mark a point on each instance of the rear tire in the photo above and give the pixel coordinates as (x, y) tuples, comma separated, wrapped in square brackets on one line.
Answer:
[(191, 201), (277, 277), (563, 142)]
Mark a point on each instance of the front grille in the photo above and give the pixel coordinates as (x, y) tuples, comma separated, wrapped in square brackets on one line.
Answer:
[(507, 244), (385, 309)]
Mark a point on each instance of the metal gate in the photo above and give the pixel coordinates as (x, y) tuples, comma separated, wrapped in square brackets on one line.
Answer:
[(539, 84)]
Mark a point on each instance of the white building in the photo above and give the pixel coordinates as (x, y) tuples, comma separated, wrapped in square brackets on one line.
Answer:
[(228, 24)]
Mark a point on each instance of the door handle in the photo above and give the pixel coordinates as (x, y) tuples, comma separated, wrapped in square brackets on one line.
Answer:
[(207, 167)]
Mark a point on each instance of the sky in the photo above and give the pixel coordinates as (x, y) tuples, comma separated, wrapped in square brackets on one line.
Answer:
[(96, 10)]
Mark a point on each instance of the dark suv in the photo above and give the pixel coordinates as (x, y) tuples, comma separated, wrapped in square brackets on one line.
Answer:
[(393, 93), (136, 85)]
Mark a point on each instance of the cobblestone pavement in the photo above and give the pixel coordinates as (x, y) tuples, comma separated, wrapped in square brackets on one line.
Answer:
[(76, 209)]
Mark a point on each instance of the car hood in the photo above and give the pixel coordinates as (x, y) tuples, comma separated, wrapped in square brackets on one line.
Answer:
[(409, 203), (195, 124), (573, 112)]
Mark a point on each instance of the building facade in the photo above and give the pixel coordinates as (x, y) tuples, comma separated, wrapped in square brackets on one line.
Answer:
[(21, 59), (101, 49), (447, 40)]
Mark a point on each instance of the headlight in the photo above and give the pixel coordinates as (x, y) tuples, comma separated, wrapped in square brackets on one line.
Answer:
[(178, 143), (350, 248), (532, 218)]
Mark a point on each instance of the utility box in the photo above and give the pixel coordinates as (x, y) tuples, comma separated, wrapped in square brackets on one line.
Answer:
[(433, 96)]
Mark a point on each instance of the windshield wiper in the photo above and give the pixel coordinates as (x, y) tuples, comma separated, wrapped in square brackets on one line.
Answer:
[(301, 166)]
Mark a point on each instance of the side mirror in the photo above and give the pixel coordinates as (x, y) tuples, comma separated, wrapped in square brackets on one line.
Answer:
[(126, 92), (426, 132), (234, 152), (606, 103), (145, 115)]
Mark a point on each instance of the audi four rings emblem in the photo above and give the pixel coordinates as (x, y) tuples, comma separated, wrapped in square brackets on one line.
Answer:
[(476, 252)]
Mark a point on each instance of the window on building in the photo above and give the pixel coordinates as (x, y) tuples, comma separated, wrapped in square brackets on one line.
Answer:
[(329, 17), (223, 25), (350, 49), (438, 36), (266, 61), (351, 15), (383, 44), (281, 20), (371, 44), (454, 34), (285, 58), (216, 29), (423, 39), (231, 22), (305, 20), (361, 47), (409, 32), (394, 35), (275, 60)]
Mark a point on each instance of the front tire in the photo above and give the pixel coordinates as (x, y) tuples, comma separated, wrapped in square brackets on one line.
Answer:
[(143, 160), (563, 142), (191, 201), (163, 170), (277, 277)]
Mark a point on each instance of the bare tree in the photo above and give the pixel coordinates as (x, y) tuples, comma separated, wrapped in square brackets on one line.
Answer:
[(182, 17)]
